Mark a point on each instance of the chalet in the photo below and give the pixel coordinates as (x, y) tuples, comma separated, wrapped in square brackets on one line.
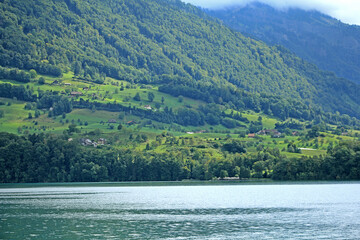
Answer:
[(131, 123), (276, 135), (147, 107), (251, 135), (88, 142), (201, 131), (75, 94), (85, 142), (101, 141), (272, 132), (112, 121), (56, 82)]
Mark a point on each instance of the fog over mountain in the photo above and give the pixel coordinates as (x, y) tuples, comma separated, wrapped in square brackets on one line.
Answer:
[(346, 10)]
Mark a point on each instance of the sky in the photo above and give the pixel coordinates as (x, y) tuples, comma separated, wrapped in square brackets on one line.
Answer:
[(347, 11)]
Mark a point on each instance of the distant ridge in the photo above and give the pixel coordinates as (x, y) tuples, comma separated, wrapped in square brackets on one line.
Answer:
[(327, 42)]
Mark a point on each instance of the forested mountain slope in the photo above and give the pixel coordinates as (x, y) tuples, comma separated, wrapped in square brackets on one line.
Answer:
[(318, 38), (162, 42)]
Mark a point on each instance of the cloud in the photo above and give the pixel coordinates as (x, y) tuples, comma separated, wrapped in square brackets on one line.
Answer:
[(345, 10)]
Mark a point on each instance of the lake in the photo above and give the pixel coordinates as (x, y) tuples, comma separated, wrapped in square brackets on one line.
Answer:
[(240, 211)]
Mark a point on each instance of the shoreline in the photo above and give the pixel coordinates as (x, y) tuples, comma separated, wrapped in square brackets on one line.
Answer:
[(171, 183)]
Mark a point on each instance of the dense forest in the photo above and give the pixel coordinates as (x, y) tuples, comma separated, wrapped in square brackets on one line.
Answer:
[(157, 42), (49, 158), (318, 38)]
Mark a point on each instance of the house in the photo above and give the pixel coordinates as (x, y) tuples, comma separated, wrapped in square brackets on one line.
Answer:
[(201, 131), (56, 82), (67, 84), (131, 123), (295, 133), (101, 141), (190, 132), (112, 121), (85, 88), (75, 94), (147, 107), (276, 135), (251, 135), (271, 132), (88, 142), (85, 142)]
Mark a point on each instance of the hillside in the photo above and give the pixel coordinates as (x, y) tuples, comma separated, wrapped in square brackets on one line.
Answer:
[(166, 43), (159, 91), (318, 38), (109, 134)]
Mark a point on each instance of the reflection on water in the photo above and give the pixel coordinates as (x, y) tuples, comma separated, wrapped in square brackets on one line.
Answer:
[(182, 212)]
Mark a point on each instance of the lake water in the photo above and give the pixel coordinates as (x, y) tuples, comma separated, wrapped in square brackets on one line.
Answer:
[(263, 211)]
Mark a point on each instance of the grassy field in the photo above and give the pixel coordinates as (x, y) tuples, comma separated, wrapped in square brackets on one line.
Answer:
[(16, 119)]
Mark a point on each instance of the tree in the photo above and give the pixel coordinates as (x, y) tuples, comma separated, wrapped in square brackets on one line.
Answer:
[(258, 168), (120, 127), (223, 174), (137, 97), (237, 171), (41, 81), (162, 99), (37, 113), (33, 73), (151, 96), (314, 132), (77, 68), (180, 98), (72, 128), (234, 146), (30, 115), (28, 106)]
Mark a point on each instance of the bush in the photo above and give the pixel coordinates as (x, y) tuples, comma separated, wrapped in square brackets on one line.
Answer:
[(41, 81)]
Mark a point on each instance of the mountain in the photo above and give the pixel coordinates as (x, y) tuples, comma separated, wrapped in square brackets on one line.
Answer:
[(318, 38), (169, 44)]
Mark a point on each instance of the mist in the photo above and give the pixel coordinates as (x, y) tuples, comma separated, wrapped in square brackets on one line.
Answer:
[(345, 10)]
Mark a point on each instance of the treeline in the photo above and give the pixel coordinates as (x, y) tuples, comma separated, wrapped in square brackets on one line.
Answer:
[(48, 158), (19, 92), (52, 101), (341, 163), (16, 60), (273, 105), (14, 74), (210, 113), (56, 104)]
